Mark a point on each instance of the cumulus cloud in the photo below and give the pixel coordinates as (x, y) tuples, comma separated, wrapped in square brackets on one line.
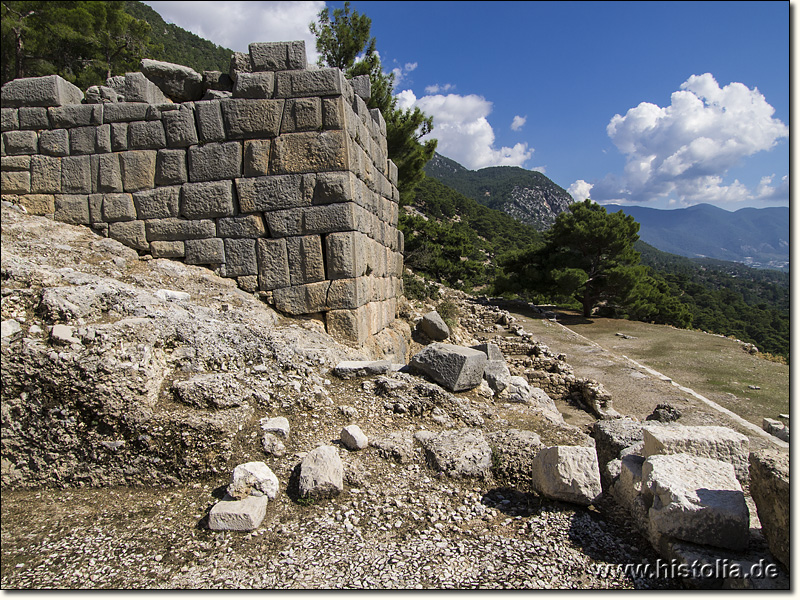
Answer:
[(436, 88), (683, 151), (518, 122), (400, 73), (580, 190), (464, 133), (235, 24)]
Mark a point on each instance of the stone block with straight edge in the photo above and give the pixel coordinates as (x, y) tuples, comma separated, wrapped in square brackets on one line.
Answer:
[(238, 515), (50, 90), (207, 200), (455, 368), (273, 264)]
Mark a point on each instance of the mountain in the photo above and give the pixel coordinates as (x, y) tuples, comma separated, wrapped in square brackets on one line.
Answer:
[(528, 196), (758, 237), (174, 44)]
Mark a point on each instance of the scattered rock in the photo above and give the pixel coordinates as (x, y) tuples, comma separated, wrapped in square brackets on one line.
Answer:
[(353, 438), (272, 445), (695, 499), (769, 487), (277, 425), (361, 368), (321, 473), (567, 473), (664, 413), (777, 428), (238, 515), (433, 326), (459, 454), (456, 368), (253, 479)]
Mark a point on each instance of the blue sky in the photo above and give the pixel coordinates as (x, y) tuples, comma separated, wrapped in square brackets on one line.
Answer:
[(661, 104)]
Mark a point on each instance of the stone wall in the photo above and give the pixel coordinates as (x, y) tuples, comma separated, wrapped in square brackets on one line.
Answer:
[(282, 183)]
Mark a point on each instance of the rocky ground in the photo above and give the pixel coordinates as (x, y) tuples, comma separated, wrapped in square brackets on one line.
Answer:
[(95, 499)]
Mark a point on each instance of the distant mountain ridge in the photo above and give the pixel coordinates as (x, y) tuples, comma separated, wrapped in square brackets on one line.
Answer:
[(528, 196), (758, 237)]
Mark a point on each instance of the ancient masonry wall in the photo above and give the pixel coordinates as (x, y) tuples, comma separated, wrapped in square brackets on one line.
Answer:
[(283, 184)]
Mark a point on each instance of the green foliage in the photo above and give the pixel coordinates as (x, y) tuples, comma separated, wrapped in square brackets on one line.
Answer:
[(343, 41), (84, 42), (587, 255), (448, 310), (173, 44), (418, 288)]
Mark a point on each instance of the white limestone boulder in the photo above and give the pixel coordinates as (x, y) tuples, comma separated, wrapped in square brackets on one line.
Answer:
[(321, 473), (568, 473)]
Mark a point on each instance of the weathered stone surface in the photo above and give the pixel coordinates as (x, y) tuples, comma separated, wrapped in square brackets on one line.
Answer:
[(211, 162), (454, 367), (433, 326), (362, 87), (9, 119), (664, 413), (277, 56), (118, 207), (179, 126), (76, 175), (146, 135), (720, 443), (246, 118), (776, 428), (33, 117), (628, 485), (210, 127), (210, 251), (513, 453), (39, 204), (207, 200), (277, 425), (50, 90), (245, 226), (567, 473), (171, 167), (253, 479), (272, 445), (45, 174), (459, 453), (254, 85), (217, 80), (167, 249), (54, 142), (353, 438), (310, 152), (125, 112), (16, 182), (270, 193), (302, 299), (130, 233), (174, 229), (492, 351), (319, 82), (139, 88), (321, 473), (75, 115), (497, 375), (611, 437), (138, 170), (305, 259), (256, 157), (769, 487), (517, 390), (302, 114), (72, 209), (240, 257), (20, 142), (361, 368), (273, 264), (179, 83), (695, 499), (238, 515)]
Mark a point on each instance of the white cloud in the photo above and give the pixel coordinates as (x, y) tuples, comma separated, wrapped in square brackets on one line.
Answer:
[(518, 122), (683, 150), (436, 88), (236, 24), (580, 190), (464, 133), (400, 73)]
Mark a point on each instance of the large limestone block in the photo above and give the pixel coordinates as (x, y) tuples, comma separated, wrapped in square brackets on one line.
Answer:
[(567, 473), (214, 161), (459, 453), (210, 126), (253, 479), (321, 473), (238, 515), (139, 88), (318, 82), (711, 441), (310, 152), (273, 264), (240, 257), (251, 118), (456, 368), (75, 115), (769, 487), (345, 254), (349, 369), (254, 85), (179, 125), (50, 90), (611, 438), (433, 325), (497, 375), (173, 229), (179, 83), (306, 264), (271, 193), (138, 169), (208, 200), (302, 299), (695, 499), (628, 485), (277, 56)]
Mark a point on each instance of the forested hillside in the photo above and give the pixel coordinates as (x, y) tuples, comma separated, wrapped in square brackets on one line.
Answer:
[(173, 44), (453, 239)]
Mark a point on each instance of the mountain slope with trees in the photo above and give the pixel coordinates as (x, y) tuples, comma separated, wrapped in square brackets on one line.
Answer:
[(528, 196)]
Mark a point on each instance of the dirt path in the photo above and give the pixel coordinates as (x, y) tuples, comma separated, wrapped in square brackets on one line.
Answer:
[(636, 388)]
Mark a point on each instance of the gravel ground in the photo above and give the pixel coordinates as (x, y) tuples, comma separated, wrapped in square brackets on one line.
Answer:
[(404, 530)]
